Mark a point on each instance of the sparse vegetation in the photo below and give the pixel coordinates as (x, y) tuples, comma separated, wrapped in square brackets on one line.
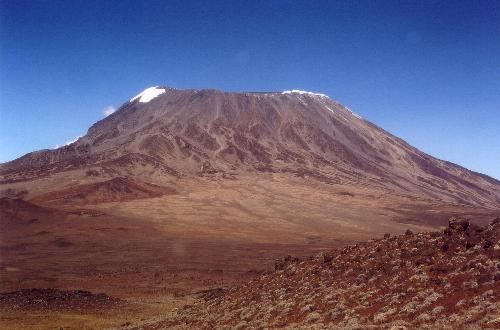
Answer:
[(381, 283)]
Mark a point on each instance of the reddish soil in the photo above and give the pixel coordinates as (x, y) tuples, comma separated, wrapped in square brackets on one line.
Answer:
[(52, 299), (202, 190), (445, 280)]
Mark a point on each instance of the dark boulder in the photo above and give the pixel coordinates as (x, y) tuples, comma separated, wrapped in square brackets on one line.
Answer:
[(458, 224)]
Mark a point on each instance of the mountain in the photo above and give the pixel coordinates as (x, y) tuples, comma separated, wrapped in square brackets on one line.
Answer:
[(193, 133), (181, 191)]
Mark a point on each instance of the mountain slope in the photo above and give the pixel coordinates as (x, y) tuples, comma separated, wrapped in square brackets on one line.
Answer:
[(185, 190), (193, 133), (434, 280)]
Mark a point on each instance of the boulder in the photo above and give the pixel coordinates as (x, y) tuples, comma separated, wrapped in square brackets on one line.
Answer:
[(458, 224)]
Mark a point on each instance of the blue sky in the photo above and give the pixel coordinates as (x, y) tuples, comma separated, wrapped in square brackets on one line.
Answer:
[(427, 71)]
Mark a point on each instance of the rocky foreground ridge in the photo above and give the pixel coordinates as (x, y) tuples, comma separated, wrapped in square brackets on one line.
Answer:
[(433, 280)]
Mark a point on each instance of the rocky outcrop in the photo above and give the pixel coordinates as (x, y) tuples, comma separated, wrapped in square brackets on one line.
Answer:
[(398, 282), (57, 300), (114, 190)]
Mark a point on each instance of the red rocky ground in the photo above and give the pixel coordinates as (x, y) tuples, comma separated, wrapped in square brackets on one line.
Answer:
[(53, 299), (445, 280)]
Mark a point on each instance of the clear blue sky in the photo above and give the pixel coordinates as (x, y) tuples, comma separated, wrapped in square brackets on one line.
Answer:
[(427, 71)]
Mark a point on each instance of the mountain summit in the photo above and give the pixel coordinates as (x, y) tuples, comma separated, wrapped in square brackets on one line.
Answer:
[(186, 190), (171, 133)]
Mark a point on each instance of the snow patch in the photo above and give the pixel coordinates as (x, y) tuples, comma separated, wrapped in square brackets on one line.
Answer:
[(346, 108), (297, 91), (67, 143), (329, 109), (353, 113), (148, 94)]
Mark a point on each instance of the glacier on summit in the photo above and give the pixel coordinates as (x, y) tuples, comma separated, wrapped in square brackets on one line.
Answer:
[(148, 94)]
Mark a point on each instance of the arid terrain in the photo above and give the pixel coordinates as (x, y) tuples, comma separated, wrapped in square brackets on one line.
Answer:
[(434, 280), (182, 194)]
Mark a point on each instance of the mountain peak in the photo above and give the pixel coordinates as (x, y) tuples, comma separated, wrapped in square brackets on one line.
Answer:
[(152, 92), (300, 92), (212, 133), (148, 94)]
